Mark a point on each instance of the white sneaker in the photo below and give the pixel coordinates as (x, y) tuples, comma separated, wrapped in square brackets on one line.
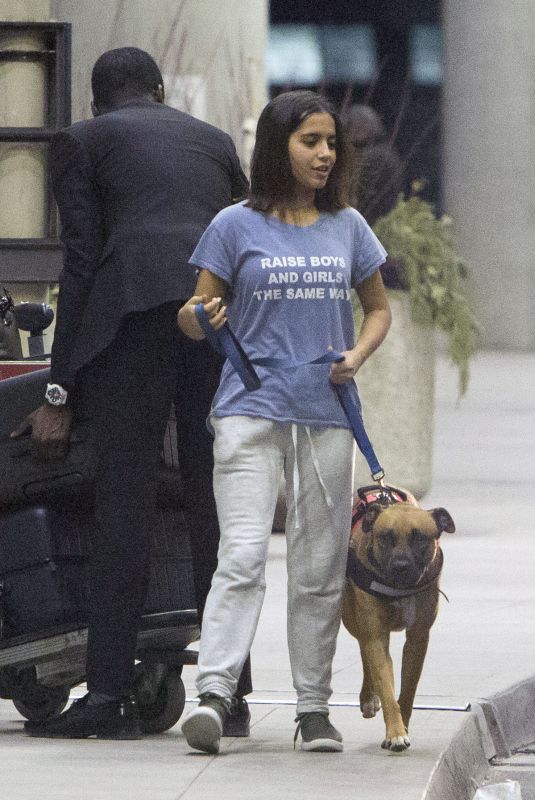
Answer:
[(203, 727)]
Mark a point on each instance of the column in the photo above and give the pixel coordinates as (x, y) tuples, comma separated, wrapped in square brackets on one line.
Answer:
[(489, 135)]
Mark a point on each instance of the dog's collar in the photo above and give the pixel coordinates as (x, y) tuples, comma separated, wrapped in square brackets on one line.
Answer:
[(370, 583)]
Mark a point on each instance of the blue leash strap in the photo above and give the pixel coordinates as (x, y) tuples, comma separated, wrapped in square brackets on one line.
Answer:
[(225, 342), (347, 395)]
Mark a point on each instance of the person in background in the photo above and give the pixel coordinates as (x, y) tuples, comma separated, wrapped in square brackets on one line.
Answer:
[(280, 268), (136, 187), (377, 172)]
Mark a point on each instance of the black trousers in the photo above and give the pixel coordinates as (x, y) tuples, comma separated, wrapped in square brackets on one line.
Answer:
[(127, 390)]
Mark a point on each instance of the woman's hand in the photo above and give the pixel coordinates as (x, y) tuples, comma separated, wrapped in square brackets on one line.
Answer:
[(344, 371), (209, 291), (375, 325), (187, 321)]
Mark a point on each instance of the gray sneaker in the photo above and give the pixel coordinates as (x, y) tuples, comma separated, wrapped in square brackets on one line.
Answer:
[(203, 726), (317, 733)]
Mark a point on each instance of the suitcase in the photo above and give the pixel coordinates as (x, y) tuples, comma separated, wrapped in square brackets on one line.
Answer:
[(44, 555), (47, 521), (23, 481)]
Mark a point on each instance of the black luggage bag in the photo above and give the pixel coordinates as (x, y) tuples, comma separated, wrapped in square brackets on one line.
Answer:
[(22, 479), (44, 561), (46, 525)]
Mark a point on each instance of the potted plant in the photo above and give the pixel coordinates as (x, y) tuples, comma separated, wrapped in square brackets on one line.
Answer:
[(424, 278)]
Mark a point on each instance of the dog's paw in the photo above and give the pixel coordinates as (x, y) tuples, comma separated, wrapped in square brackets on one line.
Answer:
[(397, 744), (370, 708)]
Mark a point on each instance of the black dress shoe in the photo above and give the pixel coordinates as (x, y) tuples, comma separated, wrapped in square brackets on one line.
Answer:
[(117, 719), (237, 719)]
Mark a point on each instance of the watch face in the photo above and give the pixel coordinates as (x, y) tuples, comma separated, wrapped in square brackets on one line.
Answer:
[(55, 395)]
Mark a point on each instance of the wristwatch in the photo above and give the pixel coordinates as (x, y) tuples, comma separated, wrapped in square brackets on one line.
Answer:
[(55, 394)]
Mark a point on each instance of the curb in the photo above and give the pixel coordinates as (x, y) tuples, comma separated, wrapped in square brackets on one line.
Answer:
[(495, 728)]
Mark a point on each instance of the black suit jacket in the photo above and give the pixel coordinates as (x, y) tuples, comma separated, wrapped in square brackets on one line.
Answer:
[(136, 188)]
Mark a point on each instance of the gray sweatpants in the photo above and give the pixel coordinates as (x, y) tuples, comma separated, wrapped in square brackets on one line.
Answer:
[(250, 457)]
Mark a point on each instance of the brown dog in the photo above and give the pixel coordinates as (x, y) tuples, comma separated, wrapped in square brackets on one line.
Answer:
[(395, 559)]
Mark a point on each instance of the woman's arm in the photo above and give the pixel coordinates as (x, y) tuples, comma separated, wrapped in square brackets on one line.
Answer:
[(210, 291), (375, 325)]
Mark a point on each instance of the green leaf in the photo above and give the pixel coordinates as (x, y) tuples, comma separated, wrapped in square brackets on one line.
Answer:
[(424, 246)]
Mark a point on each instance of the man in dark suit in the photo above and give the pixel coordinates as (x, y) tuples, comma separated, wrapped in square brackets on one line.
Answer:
[(136, 186)]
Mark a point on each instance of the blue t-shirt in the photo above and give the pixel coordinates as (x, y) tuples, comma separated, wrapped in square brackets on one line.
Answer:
[(289, 298)]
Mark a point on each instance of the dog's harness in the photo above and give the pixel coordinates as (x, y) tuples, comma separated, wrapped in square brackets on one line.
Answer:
[(360, 575)]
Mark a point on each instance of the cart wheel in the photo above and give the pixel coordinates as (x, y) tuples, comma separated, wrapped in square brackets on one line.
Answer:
[(162, 712), (43, 703)]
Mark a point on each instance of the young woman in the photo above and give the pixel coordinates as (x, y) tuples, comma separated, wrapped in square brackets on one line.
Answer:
[(283, 263)]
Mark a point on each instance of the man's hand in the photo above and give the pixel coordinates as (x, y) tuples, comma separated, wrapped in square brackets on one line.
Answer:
[(51, 430)]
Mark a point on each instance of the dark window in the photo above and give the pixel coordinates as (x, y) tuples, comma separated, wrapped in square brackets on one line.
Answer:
[(395, 66), (310, 54)]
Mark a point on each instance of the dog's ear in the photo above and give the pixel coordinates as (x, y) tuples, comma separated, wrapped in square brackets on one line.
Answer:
[(370, 515), (443, 520)]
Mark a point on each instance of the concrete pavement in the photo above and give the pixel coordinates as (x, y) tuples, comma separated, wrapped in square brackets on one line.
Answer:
[(482, 643)]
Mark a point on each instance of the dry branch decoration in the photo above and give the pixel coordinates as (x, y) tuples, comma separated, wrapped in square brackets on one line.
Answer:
[(225, 59)]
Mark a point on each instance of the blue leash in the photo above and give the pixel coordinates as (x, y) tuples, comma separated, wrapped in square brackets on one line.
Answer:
[(225, 342)]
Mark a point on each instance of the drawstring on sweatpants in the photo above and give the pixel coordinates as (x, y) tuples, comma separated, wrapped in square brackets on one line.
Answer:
[(296, 480)]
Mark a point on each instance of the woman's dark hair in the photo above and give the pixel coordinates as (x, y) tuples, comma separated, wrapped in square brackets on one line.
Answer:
[(122, 73), (272, 180)]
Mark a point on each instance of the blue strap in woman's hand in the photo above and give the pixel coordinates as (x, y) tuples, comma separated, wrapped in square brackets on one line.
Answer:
[(224, 341), (348, 397)]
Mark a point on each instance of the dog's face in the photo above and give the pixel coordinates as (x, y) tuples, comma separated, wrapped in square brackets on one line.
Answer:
[(402, 540)]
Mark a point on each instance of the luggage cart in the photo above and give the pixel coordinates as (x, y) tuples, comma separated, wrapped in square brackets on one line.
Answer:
[(46, 519)]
